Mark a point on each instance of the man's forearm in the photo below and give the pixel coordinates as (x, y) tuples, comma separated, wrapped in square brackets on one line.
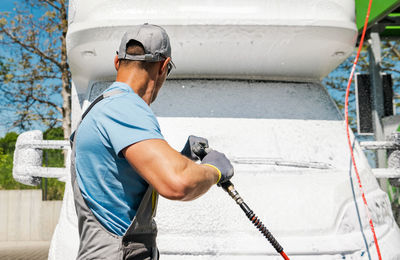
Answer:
[(171, 174), (199, 179)]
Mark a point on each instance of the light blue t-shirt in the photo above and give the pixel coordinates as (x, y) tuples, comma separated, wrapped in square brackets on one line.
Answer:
[(112, 189)]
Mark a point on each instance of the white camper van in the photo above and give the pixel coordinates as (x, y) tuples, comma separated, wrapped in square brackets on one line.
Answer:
[(253, 69)]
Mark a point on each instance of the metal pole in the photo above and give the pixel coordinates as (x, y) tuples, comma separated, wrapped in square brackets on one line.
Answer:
[(46, 163), (374, 51)]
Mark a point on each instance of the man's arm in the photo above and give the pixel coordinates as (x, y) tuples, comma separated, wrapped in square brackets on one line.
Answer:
[(171, 174)]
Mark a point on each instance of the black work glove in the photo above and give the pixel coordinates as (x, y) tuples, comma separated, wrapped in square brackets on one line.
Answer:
[(219, 161), (193, 141)]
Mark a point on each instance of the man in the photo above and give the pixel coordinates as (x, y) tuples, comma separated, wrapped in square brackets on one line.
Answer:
[(121, 161)]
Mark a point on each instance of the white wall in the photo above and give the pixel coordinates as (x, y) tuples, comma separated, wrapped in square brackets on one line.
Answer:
[(25, 217)]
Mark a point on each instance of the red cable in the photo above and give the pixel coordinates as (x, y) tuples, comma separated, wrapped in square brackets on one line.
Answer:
[(284, 255), (371, 224)]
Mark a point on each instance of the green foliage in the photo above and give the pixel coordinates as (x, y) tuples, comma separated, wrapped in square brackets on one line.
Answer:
[(7, 143), (55, 189), (54, 134), (7, 182), (52, 158)]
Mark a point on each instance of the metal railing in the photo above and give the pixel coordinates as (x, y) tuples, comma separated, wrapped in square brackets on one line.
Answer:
[(28, 154)]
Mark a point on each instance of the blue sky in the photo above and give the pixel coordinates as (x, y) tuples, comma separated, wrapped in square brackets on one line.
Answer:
[(7, 5)]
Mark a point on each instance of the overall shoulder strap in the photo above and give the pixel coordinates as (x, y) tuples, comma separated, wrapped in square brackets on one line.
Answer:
[(101, 97), (97, 100)]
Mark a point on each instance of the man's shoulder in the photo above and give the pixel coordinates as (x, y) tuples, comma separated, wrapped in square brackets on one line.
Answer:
[(121, 95), (125, 104), (121, 108)]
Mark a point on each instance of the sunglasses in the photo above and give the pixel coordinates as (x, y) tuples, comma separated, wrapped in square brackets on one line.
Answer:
[(170, 65), (169, 68)]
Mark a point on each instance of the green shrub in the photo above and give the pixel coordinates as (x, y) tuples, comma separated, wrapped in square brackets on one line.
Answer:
[(7, 181), (51, 158)]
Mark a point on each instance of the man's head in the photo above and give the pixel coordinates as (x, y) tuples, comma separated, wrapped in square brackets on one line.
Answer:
[(144, 59)]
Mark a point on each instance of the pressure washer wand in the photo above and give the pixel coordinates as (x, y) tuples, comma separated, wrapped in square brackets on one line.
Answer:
[(228, 187), (202, 151)]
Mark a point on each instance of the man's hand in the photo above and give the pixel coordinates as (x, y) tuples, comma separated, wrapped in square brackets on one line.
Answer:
[(219, 162), (192, 142)]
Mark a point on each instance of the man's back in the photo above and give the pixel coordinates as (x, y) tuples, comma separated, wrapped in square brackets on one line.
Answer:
[(110, 186)]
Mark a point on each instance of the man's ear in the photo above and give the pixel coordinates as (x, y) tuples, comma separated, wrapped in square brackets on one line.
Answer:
[(164, 65), (116, 62)]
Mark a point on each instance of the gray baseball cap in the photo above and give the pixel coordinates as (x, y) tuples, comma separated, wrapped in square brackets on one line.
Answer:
[(154, 39)]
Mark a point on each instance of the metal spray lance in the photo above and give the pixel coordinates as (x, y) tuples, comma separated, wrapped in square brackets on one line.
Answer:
[(228, 186)]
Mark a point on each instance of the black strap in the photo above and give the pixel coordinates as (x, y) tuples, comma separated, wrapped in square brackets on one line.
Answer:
[(97, 100)]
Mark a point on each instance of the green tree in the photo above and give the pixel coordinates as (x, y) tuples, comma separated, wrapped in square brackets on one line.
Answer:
[(7, 143), (33, 67)]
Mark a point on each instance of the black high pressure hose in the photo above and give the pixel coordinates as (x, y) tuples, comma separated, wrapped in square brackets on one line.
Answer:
[(228, 186)]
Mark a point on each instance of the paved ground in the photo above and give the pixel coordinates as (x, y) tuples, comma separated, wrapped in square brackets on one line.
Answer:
[(18, 250)]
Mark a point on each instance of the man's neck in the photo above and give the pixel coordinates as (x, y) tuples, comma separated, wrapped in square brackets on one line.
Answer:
[(140, 83)]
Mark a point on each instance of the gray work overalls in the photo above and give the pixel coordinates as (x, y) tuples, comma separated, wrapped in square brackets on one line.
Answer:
[(96, 242)]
